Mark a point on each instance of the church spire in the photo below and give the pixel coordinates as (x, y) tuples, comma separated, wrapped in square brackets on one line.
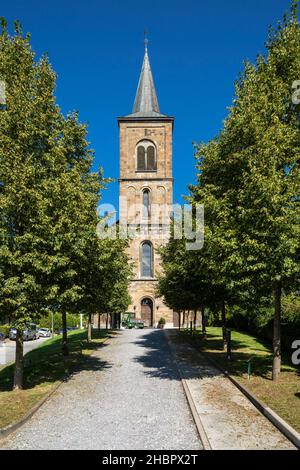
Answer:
[(146, 102)]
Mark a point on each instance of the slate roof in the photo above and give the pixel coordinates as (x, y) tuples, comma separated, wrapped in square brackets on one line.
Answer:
[(146, 102)]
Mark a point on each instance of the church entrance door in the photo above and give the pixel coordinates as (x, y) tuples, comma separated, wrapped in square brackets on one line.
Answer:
[(147, 311)]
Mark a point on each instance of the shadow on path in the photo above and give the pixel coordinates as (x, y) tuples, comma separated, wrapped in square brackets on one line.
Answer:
[(159, 361), (157, 358)]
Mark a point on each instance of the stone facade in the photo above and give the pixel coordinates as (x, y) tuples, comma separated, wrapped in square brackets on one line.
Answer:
[(154, 226)]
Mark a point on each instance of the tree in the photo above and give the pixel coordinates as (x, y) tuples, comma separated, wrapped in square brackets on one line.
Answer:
[(48, 194), (115, 295), (249, 177), (75, 192), (29, 126), (104, 273), (186, 282)]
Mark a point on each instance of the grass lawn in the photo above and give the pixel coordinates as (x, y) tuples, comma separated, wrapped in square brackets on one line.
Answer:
[(44, 368), (283, 396)]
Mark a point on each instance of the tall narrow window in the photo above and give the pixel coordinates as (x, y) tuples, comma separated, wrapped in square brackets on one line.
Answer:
[(146, 261), (146, 203), (146, 156), (151, 158), (141, 158)]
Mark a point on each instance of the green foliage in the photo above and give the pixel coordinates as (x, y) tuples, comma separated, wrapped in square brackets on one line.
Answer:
[(46, 321), (248, 179), (186, 282), (29, 112), (5, 329), (291, 310)]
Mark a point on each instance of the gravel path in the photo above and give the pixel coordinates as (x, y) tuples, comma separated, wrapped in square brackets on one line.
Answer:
[(129, 398)]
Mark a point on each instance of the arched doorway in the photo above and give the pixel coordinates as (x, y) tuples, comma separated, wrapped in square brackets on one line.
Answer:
[(147, 311)]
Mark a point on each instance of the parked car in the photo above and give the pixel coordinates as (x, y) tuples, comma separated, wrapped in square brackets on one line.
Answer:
[(29, 333), (44, 332), (69, 328), (12, 333)]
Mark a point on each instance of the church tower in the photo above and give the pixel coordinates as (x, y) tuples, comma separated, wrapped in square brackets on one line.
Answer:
[(146, 193)]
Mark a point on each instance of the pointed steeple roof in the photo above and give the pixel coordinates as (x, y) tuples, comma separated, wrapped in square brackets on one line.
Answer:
[(146, 102)]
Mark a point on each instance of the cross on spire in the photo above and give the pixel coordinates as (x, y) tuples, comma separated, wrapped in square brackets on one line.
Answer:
[(146, 40)]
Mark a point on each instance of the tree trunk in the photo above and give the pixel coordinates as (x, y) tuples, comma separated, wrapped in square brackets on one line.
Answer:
[(203, 321), (276, 332), (179, 320), (64, 346), (223, 316), (183, 319), (107, 321), (89, 329), (19, 363), (195, 320), (99, 321)]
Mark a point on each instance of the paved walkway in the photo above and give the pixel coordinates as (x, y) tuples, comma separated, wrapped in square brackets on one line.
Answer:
[(229, 419), (130, 398)]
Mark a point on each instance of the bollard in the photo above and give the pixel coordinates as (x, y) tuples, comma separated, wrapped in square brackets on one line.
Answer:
[(249, 367)]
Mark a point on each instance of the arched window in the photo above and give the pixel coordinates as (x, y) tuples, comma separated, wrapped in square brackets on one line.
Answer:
[(151, 158), (146, 260), (141, 160), (146, 156), (146, 203)]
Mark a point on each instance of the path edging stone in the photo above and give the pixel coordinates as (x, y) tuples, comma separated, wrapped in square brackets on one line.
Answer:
[(288, 431), (201, 431), (4, 432)]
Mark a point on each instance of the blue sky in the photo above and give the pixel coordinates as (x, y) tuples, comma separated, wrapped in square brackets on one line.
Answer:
[(196, 51)]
